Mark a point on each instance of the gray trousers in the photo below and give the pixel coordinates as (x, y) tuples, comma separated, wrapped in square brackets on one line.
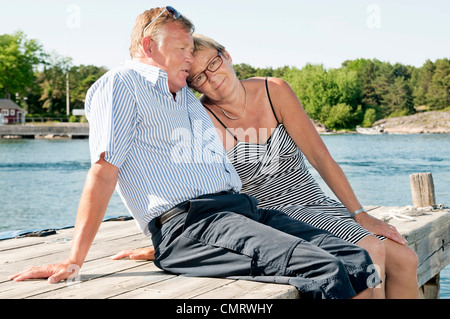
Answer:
[(226, 235)]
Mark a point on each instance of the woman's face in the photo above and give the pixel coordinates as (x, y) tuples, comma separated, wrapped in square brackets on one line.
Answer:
[(219, 82)]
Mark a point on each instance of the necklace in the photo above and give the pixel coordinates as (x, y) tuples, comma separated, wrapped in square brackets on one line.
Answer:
[(245, 107)]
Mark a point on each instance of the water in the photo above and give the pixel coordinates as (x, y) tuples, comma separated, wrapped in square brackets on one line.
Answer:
[(41, 180), (378, 166), (41, 183)]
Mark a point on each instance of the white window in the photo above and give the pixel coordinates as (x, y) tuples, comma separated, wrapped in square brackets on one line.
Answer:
[(5, 112), (12, 112)]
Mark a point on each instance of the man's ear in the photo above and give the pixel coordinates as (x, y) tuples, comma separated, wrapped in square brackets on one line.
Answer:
[(147, 46), (227, 56)]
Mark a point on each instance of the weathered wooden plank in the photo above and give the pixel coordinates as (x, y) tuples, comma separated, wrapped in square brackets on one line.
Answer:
[(182, 287), (95, 267), (55, 248), (16, 243), (427, 234), (54, 252), (26, 289), (109, 281), (242, 289), (176, 288), (433, 251), (109, 232), (101, 277)]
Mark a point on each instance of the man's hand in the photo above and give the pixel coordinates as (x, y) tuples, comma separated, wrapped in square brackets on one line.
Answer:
[(99, 186), (55, 272), (379, 227), (136, 254)]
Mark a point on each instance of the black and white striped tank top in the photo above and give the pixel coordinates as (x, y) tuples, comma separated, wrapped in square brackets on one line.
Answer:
[(274, 172)]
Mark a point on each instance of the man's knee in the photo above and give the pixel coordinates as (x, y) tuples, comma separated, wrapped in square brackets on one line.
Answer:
[(309, 260)]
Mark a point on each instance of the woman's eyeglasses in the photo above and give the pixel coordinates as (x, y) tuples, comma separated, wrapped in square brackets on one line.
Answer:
[(173, 13), (200, 79)]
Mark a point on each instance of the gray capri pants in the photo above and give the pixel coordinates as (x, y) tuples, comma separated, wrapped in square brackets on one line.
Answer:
[(226, 235)]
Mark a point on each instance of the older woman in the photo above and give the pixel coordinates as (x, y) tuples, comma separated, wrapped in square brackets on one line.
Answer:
[(266, 132)]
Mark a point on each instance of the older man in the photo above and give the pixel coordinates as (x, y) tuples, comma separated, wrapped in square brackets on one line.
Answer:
[(152, 139)]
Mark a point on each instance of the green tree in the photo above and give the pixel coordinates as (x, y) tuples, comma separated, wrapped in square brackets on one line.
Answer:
[(382, 84), (81, 78), (346, 87), (366, 71), (385, 88), (52, 83), (438, 94), (19, 59), (244, 71), (370, 116), (327, 95), (310, 86), (398, 100), (339, 116), (420, 81)]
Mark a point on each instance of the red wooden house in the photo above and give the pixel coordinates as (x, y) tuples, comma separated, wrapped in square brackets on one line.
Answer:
[(10, 112)]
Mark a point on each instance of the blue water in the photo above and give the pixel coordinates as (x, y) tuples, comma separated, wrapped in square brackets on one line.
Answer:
[(41, 183), (41, 180), (378, 166)]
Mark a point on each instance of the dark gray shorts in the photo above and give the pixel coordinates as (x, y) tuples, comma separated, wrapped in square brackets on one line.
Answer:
[(226, 235)]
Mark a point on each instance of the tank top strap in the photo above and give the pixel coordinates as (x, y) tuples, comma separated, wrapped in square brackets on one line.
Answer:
[(270, 101), (221, 123), (217, 118)]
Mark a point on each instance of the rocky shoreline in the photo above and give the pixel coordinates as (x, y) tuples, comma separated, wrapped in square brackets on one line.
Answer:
[(432, 122), (426, 122)]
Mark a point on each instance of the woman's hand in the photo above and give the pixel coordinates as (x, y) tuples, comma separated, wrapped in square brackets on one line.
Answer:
[(136, 254), (379, 227)]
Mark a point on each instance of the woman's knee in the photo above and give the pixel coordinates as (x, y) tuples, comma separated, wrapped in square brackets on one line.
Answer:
[(401, 257), (375, 248), (412, 258)]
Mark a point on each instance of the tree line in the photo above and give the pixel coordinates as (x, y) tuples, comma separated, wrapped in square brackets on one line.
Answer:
[(360, 92), (37, 80)]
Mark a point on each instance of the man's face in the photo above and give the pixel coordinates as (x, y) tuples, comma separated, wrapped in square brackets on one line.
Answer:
[(174, 55)]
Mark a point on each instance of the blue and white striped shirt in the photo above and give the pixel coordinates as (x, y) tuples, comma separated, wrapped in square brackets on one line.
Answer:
[(167, 150)]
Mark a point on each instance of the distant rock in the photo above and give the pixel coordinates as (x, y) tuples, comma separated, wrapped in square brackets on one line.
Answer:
[(426, 122), (320, 127)]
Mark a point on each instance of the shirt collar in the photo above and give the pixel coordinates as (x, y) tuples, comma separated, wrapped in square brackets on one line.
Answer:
[(154, 75), (150, 72)]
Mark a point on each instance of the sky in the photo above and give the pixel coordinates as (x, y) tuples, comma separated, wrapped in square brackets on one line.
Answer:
[(262, 33)]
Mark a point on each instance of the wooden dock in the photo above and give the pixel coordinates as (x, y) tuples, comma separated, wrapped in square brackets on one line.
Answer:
[(55, 130), (103, 278)]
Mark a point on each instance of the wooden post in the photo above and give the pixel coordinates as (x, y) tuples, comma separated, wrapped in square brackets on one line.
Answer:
[(422, 189), (430, 290)]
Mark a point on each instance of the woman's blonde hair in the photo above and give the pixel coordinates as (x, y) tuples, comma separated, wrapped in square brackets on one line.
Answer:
[(202, 42), (154, 31)]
